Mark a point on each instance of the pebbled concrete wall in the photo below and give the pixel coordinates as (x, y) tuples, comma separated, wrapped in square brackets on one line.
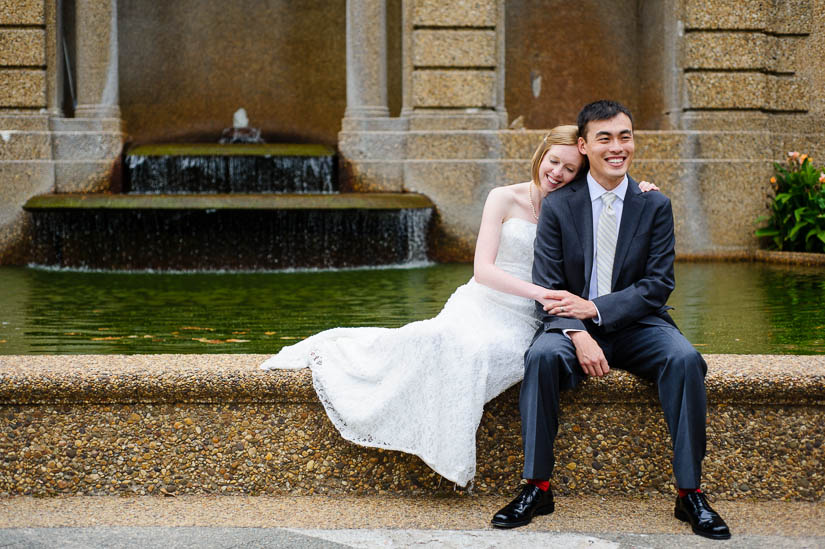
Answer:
[(180, 424)]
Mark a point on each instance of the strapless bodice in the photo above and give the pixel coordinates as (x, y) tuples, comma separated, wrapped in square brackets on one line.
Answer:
[(515, 247)]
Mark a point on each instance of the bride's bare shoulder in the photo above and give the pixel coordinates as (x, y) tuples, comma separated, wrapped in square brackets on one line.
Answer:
[(509, 192)]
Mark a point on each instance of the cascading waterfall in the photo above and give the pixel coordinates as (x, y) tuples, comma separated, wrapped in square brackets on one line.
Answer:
[(229, 239), (265, 169), (230, 207)]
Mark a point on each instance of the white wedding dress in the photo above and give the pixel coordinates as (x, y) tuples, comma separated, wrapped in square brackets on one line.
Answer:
[(421, 388)]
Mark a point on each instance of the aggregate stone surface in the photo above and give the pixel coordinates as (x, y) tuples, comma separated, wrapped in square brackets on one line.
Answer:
[(580, 514), (197, 537), (186, 424)]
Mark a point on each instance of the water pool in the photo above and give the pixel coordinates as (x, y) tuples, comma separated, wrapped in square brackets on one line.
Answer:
[(743, 308)]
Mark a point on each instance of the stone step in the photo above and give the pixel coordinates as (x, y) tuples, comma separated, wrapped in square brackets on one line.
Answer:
[(216, 424), (520, 145), (24, 122), (87, 145), (454, 520), (18, 145), (86, 124), (211, 232), (343, 201)]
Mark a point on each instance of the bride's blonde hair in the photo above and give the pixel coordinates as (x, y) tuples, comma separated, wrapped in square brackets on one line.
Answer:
[(566, 134)]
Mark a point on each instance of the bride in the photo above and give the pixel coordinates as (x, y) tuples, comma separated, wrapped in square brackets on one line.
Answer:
[(421, 388)]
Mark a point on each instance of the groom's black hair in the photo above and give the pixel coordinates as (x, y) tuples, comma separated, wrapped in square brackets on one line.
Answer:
[(603, 109)]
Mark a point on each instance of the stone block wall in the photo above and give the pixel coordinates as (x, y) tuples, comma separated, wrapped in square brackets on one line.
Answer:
[(41, 150), (22, 55), (25, 146), (455, 65), (743, 56), (721, 89)]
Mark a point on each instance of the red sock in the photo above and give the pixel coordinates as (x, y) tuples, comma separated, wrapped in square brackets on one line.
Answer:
[(683, 493), (543, 484)]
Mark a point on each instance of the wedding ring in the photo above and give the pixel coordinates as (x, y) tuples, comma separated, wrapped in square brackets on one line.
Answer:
[(561, 309)]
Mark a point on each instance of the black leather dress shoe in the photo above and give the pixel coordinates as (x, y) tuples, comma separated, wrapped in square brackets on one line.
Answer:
[(694, 508), (530, 502)]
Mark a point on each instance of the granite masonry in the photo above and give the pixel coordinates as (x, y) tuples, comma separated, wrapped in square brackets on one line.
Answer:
[(424, 96)]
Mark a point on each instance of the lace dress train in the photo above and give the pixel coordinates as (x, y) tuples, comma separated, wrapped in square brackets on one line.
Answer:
[(421, 388)]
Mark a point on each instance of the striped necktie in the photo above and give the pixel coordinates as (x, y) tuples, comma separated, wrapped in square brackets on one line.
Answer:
[(606, 244)]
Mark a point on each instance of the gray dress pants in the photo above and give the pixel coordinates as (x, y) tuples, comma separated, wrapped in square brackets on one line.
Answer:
[(653, 352)]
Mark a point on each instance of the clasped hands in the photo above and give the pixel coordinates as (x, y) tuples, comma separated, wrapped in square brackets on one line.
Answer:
[(564, 304)]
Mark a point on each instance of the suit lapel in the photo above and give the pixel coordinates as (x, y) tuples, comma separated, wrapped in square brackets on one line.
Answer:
[(581, 212), (631, 213)]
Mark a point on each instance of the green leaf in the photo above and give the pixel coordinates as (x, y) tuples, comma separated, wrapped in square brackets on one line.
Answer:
[(815, 232), (781, 198), (766, 231), (796, 228)]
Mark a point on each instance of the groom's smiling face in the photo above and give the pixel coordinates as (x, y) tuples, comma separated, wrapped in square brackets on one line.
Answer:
[(609, 147)]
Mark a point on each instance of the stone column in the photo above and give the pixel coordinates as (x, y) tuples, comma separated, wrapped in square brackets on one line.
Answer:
[(97, 70), (366, 59), (54, 58)]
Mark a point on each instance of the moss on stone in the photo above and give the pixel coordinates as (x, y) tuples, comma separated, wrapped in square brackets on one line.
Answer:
[(344, 201), (234, 149)]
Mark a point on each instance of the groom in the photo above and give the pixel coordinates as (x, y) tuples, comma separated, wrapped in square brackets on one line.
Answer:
[(606, 252)]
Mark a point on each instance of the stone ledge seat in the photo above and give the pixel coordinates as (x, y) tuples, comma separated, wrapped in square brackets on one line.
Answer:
[(145, 424)]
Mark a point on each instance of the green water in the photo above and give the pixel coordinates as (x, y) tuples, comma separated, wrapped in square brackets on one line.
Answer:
[(721, 308)]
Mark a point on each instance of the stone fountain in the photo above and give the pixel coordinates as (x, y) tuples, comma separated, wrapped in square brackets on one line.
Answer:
[(237, 205)]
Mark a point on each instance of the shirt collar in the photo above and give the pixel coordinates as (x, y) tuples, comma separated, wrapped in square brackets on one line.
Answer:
[(596, 190)]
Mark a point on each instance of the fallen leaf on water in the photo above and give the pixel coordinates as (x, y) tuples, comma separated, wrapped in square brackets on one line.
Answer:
[(103, 329), (289, 337), (270, 333), (2, 341), (204, 340), (197, 328), (700, 344), (133, 337), (239, 333), (237, 341), (147, 336), (175, 333), (71, 333), (108, 338), (97, 310)]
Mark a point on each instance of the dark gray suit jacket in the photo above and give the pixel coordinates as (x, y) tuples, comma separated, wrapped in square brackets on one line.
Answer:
[(643, 265)]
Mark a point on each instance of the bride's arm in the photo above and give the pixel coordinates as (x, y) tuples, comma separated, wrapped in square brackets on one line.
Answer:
[(498, 204)]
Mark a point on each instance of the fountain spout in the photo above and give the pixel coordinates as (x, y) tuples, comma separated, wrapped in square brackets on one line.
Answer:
[(240, 132)]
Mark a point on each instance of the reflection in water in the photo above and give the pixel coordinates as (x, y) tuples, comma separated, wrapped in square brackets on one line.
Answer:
[(750, 308), (93, 312), (721, 308)]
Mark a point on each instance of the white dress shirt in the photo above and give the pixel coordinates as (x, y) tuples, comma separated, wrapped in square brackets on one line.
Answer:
[(596, 192)]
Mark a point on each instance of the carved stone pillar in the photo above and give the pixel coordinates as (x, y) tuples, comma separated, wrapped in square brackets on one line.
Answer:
[(97, 69), (366, 59), (54, 58)]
